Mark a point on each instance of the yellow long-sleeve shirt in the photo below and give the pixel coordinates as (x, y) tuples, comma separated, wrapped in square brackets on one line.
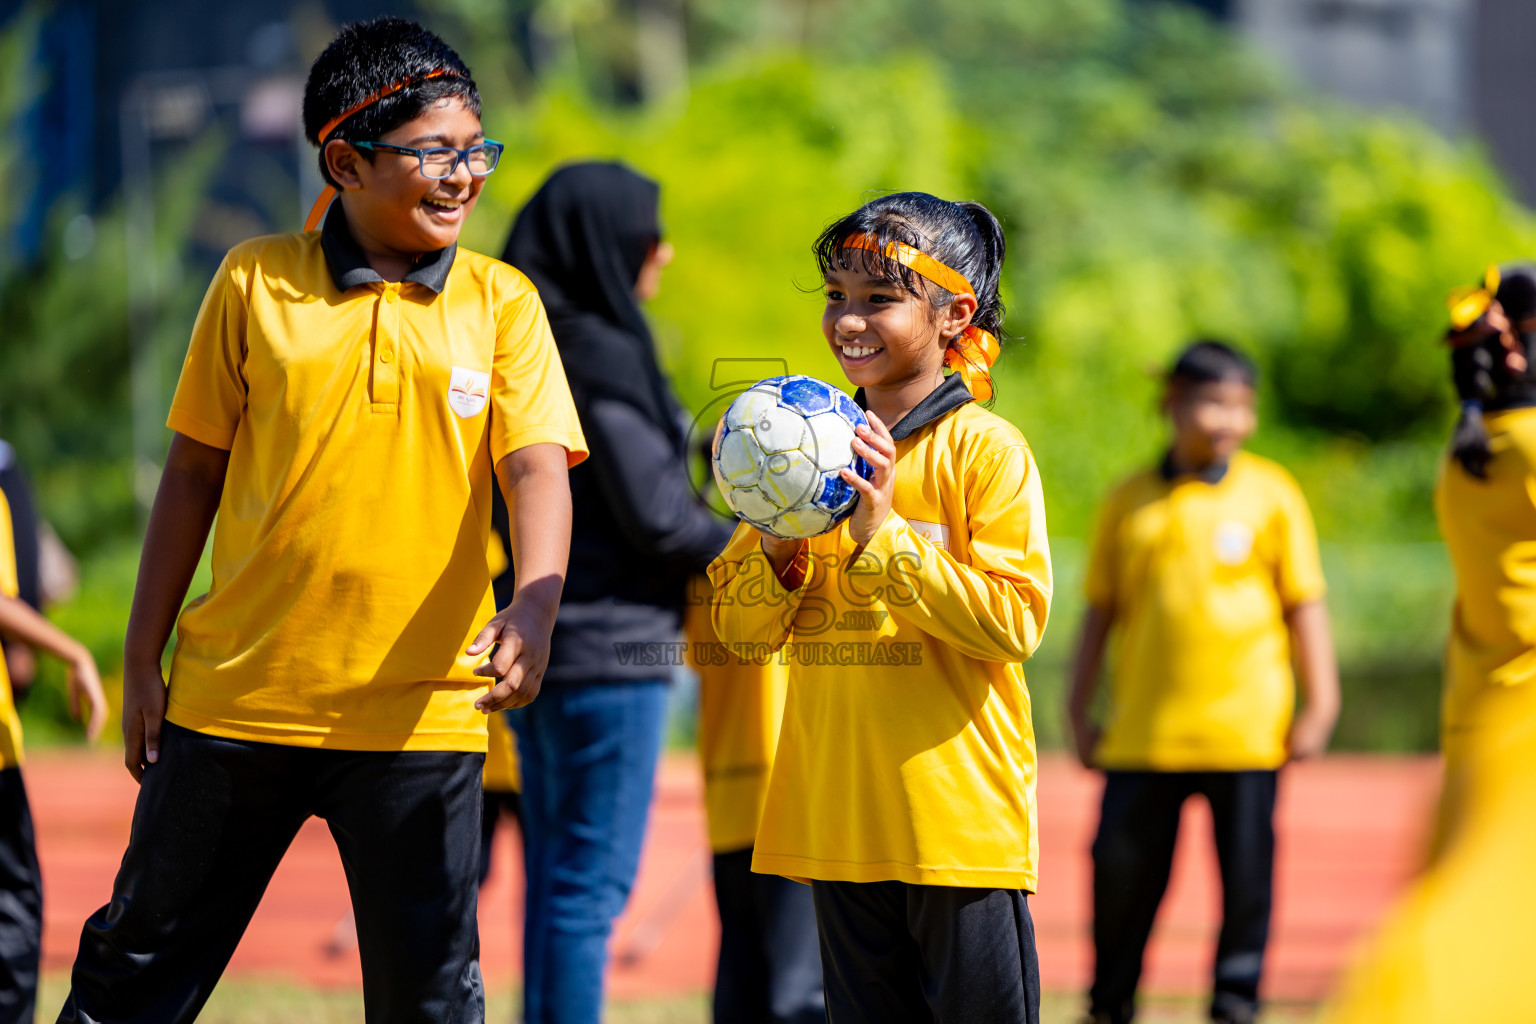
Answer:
[(907, 752)]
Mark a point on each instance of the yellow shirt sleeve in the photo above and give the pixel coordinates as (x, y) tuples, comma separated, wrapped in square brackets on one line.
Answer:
[(211, 394), (995, 607), (530, 398), (1100, 580), (1299, 571), (750, 605)]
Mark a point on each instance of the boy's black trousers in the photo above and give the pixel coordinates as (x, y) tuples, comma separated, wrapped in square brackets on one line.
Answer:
[(21, 903), (1132, 856), (214, 817), (770, 957), (897, 953)]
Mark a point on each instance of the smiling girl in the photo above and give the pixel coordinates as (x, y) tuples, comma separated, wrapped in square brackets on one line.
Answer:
[(904, 784)]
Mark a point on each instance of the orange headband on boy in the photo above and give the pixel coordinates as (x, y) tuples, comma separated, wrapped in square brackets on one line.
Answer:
[(329, 192), (973, 350)]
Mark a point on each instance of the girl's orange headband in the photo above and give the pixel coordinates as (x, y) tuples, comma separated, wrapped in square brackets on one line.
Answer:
[(973, 350), (329, 192)]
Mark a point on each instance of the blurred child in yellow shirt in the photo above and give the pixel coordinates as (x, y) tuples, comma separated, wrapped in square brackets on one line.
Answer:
[(769, 970), (1458, 946), (1206, 566)]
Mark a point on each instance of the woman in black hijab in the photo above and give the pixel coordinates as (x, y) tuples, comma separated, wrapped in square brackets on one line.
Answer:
[(590, 240)]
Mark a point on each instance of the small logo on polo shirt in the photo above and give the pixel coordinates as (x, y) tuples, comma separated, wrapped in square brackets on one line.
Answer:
[(468, 391), (1234, 543), (936, 534)]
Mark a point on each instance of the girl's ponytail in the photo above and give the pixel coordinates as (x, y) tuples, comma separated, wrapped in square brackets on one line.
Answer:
[(994, 248), (1472, 370), (1490, 338)]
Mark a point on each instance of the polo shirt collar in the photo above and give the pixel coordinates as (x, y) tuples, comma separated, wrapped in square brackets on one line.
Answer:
[(942, 400), (349, 265), (1212, 474)]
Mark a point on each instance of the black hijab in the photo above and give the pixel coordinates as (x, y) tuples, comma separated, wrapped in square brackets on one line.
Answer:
[(582, 240)]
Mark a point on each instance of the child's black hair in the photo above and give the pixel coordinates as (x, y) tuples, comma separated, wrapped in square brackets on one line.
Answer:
[(963, 236), (1211, 362), (1482, 378), (367, 57)]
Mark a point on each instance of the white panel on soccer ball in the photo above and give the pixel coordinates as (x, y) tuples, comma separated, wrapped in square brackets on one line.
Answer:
[(750, 405), (779, 430), (789, 478), (740, 460), (749, 503), (805, 521), (828, 441)]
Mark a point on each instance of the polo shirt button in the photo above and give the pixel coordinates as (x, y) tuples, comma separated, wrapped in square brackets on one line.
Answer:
[(387, 356), (391, 296)]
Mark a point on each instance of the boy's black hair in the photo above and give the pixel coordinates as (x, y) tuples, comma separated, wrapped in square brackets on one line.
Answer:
[(1483, 380), (367, 57), (1211, 362), (963, 236)]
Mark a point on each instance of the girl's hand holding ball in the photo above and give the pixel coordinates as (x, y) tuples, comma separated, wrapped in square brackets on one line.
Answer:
[(878, 448)]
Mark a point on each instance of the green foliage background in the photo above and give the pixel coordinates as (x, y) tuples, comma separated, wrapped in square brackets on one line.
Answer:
[(1158, 182)]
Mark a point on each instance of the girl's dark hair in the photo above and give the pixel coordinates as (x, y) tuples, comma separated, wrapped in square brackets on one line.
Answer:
[(963, 236), (367, 57), (1209, 362), (1482, 378)]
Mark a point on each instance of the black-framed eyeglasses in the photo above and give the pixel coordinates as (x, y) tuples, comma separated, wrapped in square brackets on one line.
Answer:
[(439, 162)]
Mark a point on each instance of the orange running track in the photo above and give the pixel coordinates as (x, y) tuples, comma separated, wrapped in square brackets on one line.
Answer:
[(1351, 832)]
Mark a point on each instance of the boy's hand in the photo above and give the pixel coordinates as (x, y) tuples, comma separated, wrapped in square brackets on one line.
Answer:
[(143, 713), (518, 665), (874, 443), (1085, 739), (1309, 734), (85, 685)]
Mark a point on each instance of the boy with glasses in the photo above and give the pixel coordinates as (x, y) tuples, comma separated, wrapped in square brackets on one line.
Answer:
[(349, 400)]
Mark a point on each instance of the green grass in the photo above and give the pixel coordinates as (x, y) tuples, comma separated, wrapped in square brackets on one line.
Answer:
[(246, 1001)]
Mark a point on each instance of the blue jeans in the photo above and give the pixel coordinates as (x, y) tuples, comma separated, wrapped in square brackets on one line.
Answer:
[(589, 765)]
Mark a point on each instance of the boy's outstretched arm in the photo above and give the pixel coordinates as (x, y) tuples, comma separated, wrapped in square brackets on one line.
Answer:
[(185, 503), (19, 620), (1085, 682), (537, 488), (1319, 671)]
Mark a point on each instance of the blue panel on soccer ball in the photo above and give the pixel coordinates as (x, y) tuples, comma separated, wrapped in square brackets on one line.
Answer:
[(836, 494), (862, 468), (807, 396)]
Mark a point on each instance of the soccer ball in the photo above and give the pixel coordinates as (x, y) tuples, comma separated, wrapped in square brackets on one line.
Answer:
[(779, 456)]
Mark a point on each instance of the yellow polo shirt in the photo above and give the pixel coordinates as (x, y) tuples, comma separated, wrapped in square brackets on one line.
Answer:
[(907, 752), (364, 420), (10, 723), (741, 706), (1199, 576)]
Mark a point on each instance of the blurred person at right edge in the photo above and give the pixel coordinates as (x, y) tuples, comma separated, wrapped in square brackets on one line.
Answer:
[(20, 662), (590, 240), (769, 970), (1458, 946)]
